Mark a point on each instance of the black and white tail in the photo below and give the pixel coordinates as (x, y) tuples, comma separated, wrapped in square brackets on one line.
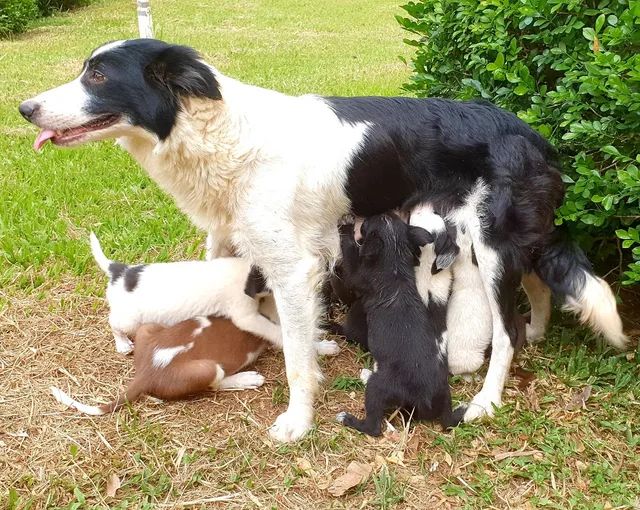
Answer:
[(564, 267)]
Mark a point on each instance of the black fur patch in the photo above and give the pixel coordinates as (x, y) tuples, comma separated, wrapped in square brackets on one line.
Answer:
[(145, 80), (116, 270), (132, 276), (256, 283)]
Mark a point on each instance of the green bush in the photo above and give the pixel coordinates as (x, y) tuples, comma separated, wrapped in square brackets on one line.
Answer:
[(571, 69), (49, 6), (15, 15)]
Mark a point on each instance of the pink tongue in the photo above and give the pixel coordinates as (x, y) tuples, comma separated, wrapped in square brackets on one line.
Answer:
[(42, 138)]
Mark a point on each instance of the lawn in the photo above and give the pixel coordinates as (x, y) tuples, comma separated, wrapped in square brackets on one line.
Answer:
[(546, 447)]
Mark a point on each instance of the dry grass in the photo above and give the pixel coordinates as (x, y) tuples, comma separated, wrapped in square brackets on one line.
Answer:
[(215, 448)]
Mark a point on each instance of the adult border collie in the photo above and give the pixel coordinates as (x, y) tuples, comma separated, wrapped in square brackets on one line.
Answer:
[(269, 176)]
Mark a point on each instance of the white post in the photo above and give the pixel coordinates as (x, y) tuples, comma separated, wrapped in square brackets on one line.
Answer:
[(145, 25)]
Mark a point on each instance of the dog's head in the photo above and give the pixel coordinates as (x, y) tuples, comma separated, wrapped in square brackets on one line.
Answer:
[(123, 86), (388, 242)]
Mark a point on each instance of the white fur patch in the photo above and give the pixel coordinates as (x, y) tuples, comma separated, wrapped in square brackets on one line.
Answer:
[(597, 307), (162, 356), (203, 324)]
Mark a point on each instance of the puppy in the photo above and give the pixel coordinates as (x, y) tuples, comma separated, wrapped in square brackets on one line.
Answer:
[(344, 286), (190, 357), (448, 277), (168, 293), (409, 350)]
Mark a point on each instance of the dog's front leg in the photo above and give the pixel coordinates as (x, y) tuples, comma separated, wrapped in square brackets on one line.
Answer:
[(295, 290), (217, 245)]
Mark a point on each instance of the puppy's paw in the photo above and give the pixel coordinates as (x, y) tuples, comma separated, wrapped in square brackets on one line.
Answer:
[(327, 348), (342, 416), (482, 405), (365, 373), (291, 426), (124, 345), (249, 380)]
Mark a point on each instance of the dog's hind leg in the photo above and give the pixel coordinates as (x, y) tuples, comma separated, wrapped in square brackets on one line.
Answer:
[(501, 285), (539, 295), (294, 287), (375, 404)]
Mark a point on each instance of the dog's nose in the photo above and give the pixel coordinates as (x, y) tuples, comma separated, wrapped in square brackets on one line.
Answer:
[(28, 109)]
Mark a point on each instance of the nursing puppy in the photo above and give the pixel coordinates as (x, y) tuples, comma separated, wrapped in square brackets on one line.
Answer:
[(448, 277), (404, 338), (190, 357), (168, 293)]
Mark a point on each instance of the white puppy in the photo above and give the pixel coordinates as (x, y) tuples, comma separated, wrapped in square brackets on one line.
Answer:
[(450, 279), (168, 293)]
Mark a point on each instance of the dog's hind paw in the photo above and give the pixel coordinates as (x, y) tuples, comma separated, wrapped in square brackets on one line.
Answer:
[(534, 335), (482, 405), (249, 380), (327, 348), (290, 426)]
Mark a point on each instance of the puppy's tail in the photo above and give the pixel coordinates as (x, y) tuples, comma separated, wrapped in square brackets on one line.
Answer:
[(99, 255), (564, 267), (131, 394)]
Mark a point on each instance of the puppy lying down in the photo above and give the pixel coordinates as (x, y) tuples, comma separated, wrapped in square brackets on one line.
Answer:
[(185, 359), (405, 341)]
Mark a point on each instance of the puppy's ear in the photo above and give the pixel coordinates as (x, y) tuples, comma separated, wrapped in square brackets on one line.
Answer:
[(256, 283), (180, 69), (446, 250)]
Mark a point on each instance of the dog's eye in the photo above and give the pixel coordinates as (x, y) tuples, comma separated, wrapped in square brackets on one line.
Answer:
[(96, 76)]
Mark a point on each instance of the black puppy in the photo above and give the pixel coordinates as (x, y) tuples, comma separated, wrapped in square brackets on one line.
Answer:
[(344, 287), (410, 353)]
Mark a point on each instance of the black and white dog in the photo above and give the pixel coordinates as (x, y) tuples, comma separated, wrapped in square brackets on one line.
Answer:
[(269, 176), (404, 337)]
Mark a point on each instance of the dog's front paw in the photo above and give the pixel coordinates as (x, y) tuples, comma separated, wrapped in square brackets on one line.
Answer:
[(482, 405), (290, 426), (327, 348)]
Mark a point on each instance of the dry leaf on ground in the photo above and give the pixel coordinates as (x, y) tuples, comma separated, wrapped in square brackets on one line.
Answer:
[(113, 484), (356, 474), (579, 400), (525, 453)]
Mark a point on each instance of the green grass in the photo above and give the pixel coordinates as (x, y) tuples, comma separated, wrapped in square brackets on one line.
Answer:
[(49, 202), (216, 446)]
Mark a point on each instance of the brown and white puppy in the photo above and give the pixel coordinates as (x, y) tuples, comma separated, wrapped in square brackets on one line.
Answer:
[(190, 357)]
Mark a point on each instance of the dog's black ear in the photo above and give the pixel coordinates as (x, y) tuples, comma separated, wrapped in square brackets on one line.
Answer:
[(180, 69), (446, 250), (256, 283)]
